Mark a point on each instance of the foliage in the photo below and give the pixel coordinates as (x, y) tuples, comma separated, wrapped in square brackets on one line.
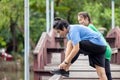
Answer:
[(11, 13), (117, 16), (2, 42), (37, 18), (12, 16), (99, 10)]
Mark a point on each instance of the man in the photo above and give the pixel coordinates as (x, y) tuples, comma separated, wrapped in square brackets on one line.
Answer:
[(81, 40)]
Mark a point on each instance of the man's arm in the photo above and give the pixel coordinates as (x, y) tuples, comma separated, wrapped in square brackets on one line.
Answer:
[(71, 51), (72, 54), (68, 48)]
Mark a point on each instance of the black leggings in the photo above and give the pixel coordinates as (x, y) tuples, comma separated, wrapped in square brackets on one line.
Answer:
[(107, 69)]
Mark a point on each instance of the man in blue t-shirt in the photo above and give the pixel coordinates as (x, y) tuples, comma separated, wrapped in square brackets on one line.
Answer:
[(81, 40)]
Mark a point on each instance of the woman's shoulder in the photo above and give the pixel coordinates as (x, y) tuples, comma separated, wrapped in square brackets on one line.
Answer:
[(91, 25)]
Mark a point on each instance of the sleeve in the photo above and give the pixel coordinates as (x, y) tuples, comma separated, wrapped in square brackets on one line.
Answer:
[(93, 28), (68, 37), (75, 37)]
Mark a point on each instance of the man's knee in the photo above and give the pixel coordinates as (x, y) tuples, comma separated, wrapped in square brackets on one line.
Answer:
[(100, 70)]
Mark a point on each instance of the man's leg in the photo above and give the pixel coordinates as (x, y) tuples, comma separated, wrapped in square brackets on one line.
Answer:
[(101, 72), (107, 69)]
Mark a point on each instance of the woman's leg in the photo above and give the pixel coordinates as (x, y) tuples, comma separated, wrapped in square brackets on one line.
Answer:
[(101, 72), (107, 69)]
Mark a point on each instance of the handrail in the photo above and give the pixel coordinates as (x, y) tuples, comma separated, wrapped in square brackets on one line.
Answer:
[(40, 43), (39, 52)]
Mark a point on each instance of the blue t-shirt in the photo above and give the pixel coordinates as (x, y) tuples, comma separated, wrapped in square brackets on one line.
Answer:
[(78, 33)]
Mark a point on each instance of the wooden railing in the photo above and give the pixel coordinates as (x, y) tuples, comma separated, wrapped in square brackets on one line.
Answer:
[(113, 38), (40, 55), (47, 44)]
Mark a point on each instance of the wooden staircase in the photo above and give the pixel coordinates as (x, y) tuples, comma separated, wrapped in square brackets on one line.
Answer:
[(49, 53), (81, 70)]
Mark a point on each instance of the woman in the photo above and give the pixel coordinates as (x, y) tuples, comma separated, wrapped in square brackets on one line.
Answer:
[(84, 19)]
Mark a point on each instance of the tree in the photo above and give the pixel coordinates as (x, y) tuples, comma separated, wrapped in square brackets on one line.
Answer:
[(12, 16), (99, 10), (37, 18)]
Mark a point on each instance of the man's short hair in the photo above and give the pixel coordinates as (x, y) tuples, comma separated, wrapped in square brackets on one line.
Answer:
[(60, 23)]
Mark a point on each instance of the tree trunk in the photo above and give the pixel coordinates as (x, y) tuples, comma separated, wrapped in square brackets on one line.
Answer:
[(14, 41), (31, 41)]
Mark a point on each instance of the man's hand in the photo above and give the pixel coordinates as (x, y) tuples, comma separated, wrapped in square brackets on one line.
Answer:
[(63, 66)]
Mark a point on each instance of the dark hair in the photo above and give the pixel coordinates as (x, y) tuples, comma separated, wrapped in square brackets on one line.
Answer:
[(85, 15), (60, 23)]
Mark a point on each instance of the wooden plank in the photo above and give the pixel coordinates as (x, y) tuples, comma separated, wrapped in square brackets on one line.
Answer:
[(40, 43), (84, 78), (59, 39), (110, 39), (42, 72), (91, 74), (56, 77), (51, 50), (114, 50)]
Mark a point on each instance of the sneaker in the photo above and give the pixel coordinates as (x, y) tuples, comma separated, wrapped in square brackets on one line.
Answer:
[(61, 72)]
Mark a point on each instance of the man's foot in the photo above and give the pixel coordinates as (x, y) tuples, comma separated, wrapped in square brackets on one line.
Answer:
[(61, 72)]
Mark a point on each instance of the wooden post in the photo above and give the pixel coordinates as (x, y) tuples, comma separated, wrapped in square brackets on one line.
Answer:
[(118, 57)]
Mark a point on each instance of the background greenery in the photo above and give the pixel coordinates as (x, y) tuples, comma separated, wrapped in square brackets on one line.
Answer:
[(12, 18)]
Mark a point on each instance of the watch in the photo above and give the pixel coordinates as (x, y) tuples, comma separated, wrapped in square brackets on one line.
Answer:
[(65, 62)]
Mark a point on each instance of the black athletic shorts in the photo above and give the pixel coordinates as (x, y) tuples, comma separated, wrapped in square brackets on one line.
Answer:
[(96, 53)]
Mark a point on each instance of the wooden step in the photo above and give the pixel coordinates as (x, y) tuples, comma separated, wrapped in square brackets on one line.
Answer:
[(55, 50), (81, 70), (59, 39), (89, 74), (42, 72), (83, 78), (56, 77), (110, 39)]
